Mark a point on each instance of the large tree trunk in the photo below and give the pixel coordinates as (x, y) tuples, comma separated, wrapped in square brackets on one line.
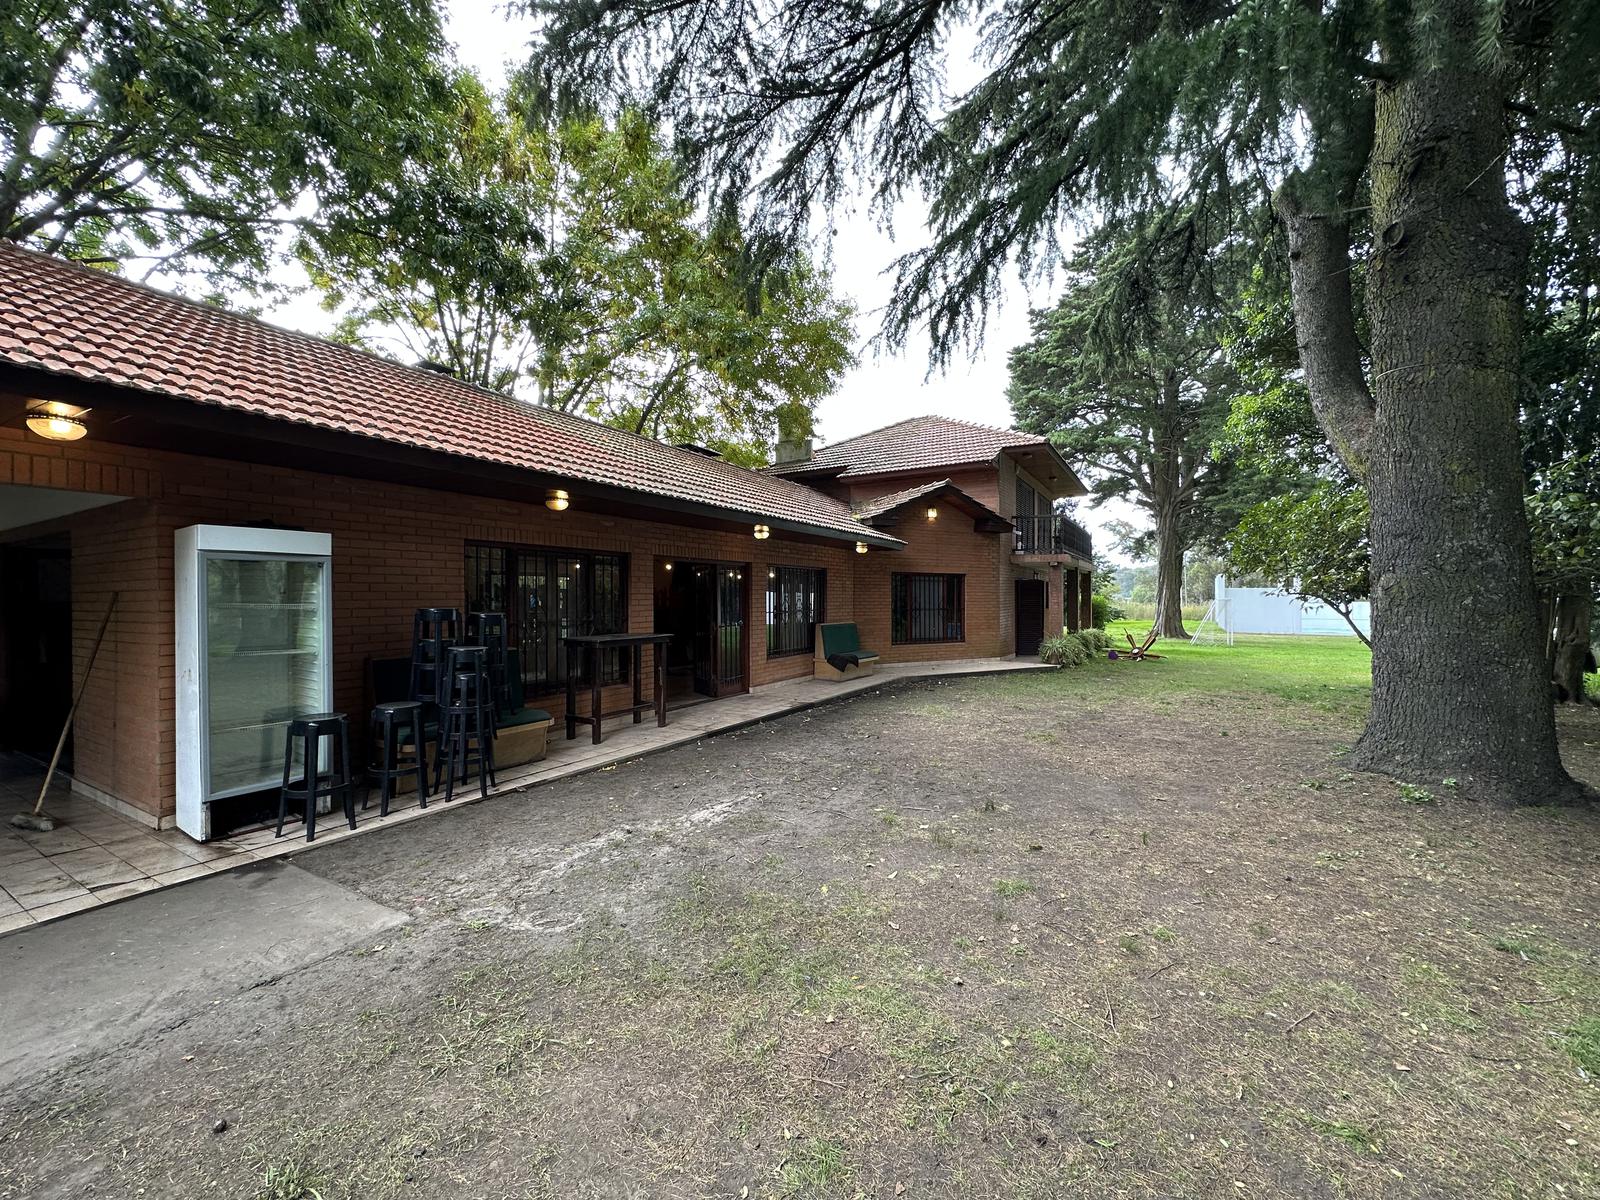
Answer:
[(1166, 498), (1169, 574), (1569, 642), (1459, 686)]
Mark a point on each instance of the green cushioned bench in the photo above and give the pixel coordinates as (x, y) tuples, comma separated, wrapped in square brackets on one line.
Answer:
[(523, 736), (841, 637)]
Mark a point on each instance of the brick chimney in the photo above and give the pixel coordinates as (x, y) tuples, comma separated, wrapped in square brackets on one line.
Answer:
[(795, 451)]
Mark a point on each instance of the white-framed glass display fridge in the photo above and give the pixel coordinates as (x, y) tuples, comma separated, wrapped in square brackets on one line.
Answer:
[(255, 650)]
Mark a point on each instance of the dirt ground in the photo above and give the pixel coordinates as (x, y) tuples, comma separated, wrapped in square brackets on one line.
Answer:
[(1039, 936)]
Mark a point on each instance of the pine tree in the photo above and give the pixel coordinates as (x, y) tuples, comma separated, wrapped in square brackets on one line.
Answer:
[(1139, 414), (1203, 117)]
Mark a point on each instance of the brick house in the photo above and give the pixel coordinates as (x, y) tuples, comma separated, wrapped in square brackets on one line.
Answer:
[(934, 536)]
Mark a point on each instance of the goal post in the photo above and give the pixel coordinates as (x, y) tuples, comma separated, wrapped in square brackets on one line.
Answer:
[(1217, 624)]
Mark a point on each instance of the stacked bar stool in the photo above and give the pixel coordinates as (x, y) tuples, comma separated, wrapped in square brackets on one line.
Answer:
[(488, 629), (433, 632), (309, 731), (466, 731), (392, 724)]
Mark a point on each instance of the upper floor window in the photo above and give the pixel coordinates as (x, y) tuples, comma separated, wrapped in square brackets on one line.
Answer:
[(794, 608), (1029, 502), (928, 608)]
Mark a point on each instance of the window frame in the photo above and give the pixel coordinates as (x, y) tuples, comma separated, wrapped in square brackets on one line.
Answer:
[(901, 592), (776, 591), (615, 663)]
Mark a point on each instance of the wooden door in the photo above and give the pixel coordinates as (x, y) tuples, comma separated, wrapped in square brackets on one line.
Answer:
[(1030, 615)]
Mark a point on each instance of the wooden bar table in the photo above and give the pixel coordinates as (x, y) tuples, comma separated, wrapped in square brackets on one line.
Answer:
[(585, 649)]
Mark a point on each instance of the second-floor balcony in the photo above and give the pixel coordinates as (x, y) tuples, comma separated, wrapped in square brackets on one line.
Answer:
[(1053, 534)]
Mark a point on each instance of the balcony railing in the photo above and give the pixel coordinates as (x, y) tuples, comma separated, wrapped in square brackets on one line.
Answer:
[(1052, 534)]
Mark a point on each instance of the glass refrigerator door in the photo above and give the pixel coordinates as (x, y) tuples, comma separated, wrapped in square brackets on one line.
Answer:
[(265, 637)]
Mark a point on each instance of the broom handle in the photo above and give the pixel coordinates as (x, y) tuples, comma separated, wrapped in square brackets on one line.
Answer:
[(61, 742)]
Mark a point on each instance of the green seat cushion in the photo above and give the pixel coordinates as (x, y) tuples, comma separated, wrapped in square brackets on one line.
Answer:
[(842, 637), (523, 716), (863, 655)]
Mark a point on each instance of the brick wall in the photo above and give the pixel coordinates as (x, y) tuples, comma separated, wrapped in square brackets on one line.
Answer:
[(396, 548), (946, 545)]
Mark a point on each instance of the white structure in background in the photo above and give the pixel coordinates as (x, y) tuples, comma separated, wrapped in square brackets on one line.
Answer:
[(1270, 610)]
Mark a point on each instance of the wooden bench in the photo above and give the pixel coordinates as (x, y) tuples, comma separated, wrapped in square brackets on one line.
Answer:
[(842, 637), (522, 734)]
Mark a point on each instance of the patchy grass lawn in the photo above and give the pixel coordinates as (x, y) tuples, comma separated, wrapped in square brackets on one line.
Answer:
[(1124, 931), (1329, 674)]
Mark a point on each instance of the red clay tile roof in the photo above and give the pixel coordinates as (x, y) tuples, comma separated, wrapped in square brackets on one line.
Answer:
[(870, 510), (920, 444), (70, 320)]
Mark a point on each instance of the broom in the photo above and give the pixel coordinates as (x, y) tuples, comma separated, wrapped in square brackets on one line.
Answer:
[(38, 819)]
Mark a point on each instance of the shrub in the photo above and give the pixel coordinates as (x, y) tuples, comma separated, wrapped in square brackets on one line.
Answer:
[(1095, 641), (1102, 610), (1064, 651)]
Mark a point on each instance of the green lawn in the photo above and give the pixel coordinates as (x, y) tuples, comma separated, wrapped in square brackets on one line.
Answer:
[(1328, 673)]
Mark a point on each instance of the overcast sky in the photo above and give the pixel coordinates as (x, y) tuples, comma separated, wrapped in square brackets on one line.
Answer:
[(883, 388)]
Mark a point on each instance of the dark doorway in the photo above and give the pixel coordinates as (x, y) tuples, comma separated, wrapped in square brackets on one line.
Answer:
[(702, 605), (36, 640), (1030, 615)]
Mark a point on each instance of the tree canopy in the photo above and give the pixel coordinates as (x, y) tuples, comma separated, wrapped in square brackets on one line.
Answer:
[(562, 262), (1361, 131), (190, 137), (1138, 412)]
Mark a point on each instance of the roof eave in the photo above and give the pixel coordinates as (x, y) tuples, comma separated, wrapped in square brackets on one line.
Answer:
[(1074, 485), (182, 412)]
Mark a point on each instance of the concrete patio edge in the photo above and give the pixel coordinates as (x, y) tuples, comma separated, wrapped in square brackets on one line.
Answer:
[(624, 742)]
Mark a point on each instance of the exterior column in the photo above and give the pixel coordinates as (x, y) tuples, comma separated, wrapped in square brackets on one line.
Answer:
[(1069, 599), (1085, 599)]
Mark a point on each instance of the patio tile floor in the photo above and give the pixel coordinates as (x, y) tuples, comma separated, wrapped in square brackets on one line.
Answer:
[(95, 856)]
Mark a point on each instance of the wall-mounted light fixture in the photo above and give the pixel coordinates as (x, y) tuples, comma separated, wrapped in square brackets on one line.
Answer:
[(861, 547), (669, 566), (933, 512), (762, 533), (557, 500), (56, 421)]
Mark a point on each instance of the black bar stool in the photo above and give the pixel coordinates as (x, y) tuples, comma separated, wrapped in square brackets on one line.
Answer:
[(433, 632), (467, 734), (316, 783), (457, 659), (391, 723), (488, 629)]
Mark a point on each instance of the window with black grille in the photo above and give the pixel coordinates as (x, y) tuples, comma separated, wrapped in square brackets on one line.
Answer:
[(547, 596), (795, 598), (928, 608)]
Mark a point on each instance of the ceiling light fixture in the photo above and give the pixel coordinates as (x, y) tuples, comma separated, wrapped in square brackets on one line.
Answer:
[(55, 421)]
